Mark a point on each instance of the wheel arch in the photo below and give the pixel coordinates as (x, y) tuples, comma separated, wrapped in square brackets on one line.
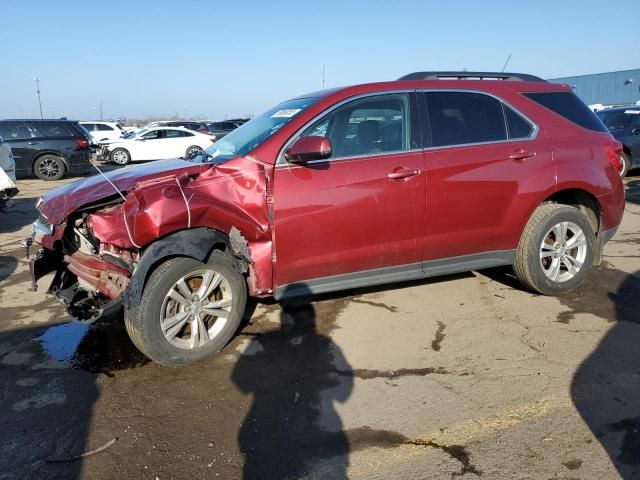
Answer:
[(48, 152), (589, 205), (196, 243)]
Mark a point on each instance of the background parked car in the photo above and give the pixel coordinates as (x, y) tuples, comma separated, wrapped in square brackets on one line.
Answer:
[(156, 144), (7, 174), (220, 129), (48, 149), (103, 130), (624, 125), (200, 127)]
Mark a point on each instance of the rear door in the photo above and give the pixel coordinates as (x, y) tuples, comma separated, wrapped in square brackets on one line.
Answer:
[(23, 142), (363, 209), (481, 158), (176, 142)]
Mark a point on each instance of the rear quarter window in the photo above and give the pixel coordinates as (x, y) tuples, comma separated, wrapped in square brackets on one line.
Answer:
[(53, 129), (569, 106)]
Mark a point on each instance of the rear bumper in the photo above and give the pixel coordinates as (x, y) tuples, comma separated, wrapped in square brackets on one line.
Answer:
[(80, 162)]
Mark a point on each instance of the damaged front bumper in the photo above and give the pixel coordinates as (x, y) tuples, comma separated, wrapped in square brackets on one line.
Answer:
[(86, 285)]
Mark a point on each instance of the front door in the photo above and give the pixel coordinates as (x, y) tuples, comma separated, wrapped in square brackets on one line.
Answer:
[(363, 209)]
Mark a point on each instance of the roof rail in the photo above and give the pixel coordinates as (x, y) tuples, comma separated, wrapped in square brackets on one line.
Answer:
[(520, 77)]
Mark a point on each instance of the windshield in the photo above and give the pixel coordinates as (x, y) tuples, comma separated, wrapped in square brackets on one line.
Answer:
[(618, 119), (247, 137)]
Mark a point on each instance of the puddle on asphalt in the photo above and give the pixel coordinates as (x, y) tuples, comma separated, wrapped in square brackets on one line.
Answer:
[(61, 341)]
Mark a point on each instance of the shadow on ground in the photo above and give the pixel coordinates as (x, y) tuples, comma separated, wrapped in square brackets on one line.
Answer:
[(633, 191), (22, 212), (606, 386), (294, 374)]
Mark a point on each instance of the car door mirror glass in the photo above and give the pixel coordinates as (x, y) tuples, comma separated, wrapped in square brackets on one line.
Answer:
[(306, 149)]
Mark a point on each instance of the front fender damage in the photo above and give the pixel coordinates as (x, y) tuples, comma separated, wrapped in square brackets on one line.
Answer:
[(106, 254)]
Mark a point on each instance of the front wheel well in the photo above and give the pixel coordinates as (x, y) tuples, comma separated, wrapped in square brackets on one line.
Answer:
[(583, 201)]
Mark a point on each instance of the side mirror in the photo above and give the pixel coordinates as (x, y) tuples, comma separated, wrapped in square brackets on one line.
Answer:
[(635, 131), (306, 149), (1, 140)]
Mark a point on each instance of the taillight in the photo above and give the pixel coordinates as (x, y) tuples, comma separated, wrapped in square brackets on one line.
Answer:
[(82, 143), (206, 131), (614, 152)]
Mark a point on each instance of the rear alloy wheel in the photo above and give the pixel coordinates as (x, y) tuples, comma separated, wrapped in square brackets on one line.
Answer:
[(626, 164), (120, 156), (192, 152), (556, 250), (188, 309), (49, 167)]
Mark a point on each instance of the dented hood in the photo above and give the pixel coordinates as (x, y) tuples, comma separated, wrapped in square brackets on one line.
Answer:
[(59, 203)]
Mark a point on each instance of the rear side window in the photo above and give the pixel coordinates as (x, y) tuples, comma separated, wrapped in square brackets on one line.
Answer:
[(517, 127), (458, 118), (88, 126), (569, 106), (103, 128), (53, 129), (15, 131), (177, 134)]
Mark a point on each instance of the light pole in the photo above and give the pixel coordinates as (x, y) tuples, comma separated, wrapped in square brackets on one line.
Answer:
[(323, 67), (38, 92), (100, 103)]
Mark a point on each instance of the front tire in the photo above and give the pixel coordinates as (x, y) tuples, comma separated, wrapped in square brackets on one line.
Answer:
[(49, 168), (556, 250), (121, 156), (188, 310)]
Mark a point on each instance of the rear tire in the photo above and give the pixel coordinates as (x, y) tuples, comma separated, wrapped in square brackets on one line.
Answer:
[(556, 250), (49, 168), (626, 164), (120, 156), (167, 323), (192, 151)]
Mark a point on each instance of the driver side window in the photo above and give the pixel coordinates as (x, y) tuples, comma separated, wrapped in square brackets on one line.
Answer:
[(367, 126)]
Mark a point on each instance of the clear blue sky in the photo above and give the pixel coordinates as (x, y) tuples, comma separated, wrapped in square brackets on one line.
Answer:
[(232, 57)]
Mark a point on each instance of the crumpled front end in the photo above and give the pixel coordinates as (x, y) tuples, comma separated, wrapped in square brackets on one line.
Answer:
[(102, 252), (90, 277)]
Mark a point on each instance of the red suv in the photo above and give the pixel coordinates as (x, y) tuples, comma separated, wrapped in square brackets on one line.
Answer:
[(436, 173)]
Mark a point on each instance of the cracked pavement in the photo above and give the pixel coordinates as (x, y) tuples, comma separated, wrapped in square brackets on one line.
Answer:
[(466, 375)]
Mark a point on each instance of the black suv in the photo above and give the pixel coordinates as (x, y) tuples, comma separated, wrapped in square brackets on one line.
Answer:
[(200, 127), (220, 129), (48, 149), (624, 125)]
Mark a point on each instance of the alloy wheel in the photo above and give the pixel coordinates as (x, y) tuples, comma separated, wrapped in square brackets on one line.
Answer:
[(49, 167), (195, 309), (563, 251)]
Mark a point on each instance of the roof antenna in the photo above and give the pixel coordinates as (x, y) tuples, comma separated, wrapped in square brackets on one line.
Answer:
[(505, 64)]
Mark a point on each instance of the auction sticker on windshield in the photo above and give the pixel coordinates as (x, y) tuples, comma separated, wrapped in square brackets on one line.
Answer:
[(287, 113)]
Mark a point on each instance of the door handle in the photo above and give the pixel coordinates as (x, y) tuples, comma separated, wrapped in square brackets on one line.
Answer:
[(402, 172), (521, 155), (32, 143)]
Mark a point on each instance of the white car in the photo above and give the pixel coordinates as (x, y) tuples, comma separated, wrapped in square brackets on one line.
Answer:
[(156, 144), (103, 130)]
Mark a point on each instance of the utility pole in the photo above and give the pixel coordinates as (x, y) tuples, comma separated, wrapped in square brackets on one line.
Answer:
[(39, 100), (100, 103), (323, 67)]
